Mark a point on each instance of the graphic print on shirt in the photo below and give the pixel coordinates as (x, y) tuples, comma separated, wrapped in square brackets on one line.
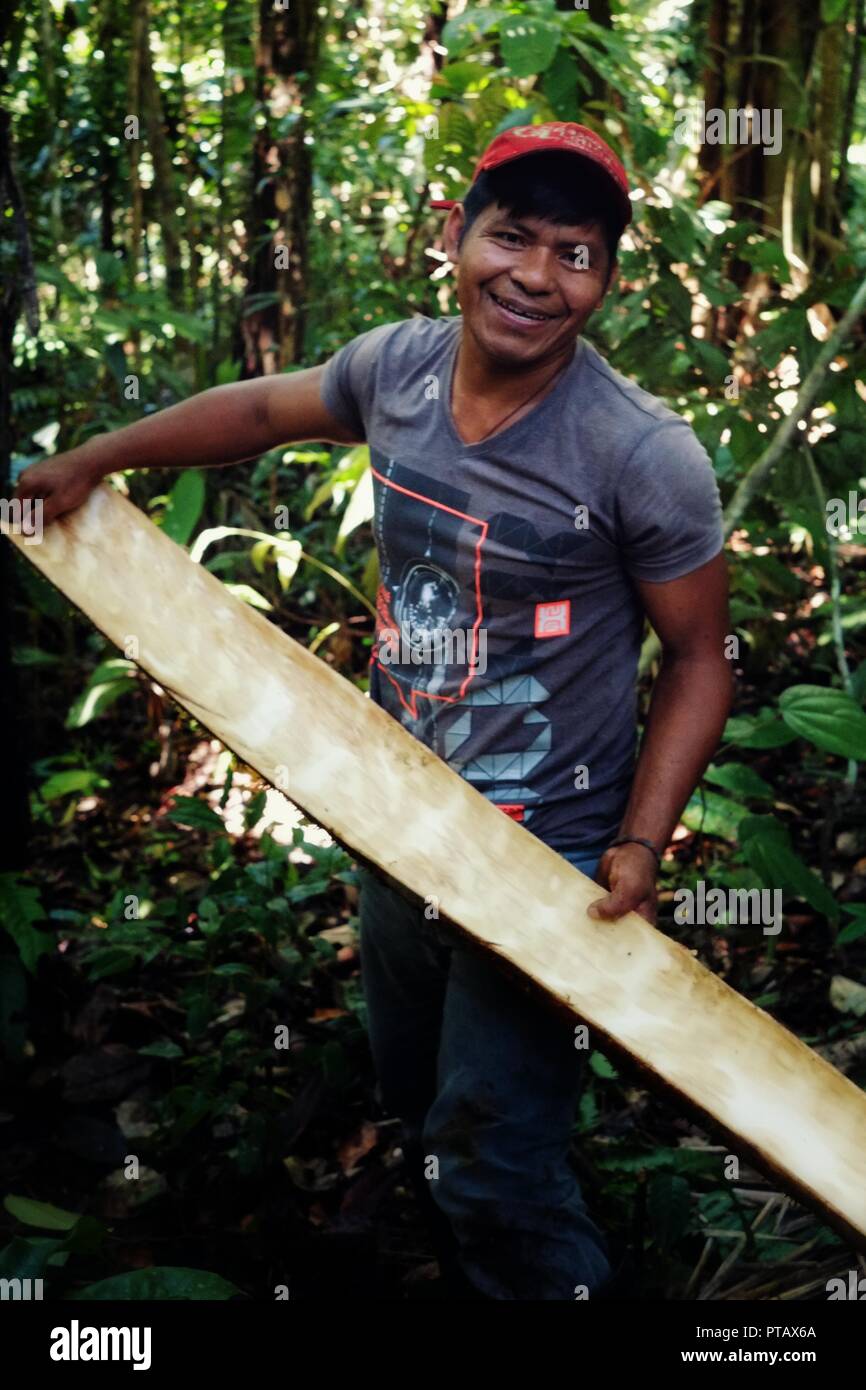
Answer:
[(429, 566), (443, 568)]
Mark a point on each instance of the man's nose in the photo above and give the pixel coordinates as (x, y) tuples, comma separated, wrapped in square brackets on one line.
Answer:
[(535, 271)]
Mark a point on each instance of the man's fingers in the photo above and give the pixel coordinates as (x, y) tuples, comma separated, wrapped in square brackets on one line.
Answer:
[(614, 905), (618, 903)]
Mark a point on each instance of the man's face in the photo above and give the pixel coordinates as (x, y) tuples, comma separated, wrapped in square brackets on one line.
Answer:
[(506, 264)]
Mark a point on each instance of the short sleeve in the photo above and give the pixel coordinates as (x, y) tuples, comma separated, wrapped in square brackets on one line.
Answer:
[(349, 379), (668, 504)]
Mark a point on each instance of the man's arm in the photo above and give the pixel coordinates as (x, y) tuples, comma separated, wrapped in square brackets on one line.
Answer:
[(226, 424), (690, 703)]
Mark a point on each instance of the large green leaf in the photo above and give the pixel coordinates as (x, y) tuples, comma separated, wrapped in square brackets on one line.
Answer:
[(107, 683), (528, 45), (561, 86), (185, 506), (767, 847), (461, 31), (830, 719), (740, 779), (712, 814), (160, 1284), (761, 731), (79, 779), (187, 810), (41, 1214)]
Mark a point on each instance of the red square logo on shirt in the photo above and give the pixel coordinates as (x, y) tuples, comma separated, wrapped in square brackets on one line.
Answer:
[(553, 619)]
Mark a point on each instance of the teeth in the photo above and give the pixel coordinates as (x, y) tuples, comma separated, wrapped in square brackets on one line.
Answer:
[(522, 313)]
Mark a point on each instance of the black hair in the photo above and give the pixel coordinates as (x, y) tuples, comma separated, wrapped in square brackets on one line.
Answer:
[(547, 185)]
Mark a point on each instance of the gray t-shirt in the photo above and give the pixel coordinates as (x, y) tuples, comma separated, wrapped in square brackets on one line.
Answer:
[(509, 626)]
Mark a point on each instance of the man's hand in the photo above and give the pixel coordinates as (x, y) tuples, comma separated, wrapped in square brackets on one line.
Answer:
[(629, 871), (690, 703), (63, 483)]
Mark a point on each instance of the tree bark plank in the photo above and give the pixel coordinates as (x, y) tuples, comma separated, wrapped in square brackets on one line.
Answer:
[(397, 806)]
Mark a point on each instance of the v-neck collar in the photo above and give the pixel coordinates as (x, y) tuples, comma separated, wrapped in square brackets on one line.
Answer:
[(530, 418)]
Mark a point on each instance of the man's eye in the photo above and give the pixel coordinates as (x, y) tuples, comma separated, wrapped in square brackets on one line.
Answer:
[(579, 260), (506, 236)]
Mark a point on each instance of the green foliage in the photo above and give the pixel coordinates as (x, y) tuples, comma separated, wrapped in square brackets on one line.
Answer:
[(669, 1207), (20, 910), (40, 1214), (160, 1284), (184, 507), (830, 719), (107, 683), (38, 1257)]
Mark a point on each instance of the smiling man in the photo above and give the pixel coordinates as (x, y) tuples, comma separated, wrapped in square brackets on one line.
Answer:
[(534, 504), (524, 487)]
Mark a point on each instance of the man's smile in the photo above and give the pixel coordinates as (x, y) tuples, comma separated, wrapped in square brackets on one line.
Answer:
[(514, 310)]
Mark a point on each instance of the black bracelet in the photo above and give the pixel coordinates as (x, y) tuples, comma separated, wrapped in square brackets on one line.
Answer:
[(637, 840)]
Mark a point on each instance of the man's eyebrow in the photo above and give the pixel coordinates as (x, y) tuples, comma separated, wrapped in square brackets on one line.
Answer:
[(586, 238)]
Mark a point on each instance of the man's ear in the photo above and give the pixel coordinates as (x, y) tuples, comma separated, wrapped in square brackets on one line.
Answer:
[(454, 225)]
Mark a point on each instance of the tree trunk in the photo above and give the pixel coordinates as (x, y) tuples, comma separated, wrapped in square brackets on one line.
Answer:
[(112, 122), (138, 37), (769, 47), (236, 118), (163, 193), (828, 126), (855, 69), (288, 46)]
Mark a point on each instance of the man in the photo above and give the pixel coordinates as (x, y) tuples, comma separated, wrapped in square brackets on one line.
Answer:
[(526, 494)]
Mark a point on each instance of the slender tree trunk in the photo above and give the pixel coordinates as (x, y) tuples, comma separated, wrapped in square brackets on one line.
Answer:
[(138, 37), (112, 124), (713, 76), (758, 56), (49, 46), (851, 101), (288, 46), (163, 193), (234, 187), (828, 126)]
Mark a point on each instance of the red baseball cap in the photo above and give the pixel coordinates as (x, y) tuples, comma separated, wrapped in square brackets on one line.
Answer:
[(554, 135)]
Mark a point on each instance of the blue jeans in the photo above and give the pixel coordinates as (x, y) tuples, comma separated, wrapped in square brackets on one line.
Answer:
[(486, 1079)]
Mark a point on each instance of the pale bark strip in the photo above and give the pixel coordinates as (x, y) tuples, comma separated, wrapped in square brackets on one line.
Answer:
[(396, 805)]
